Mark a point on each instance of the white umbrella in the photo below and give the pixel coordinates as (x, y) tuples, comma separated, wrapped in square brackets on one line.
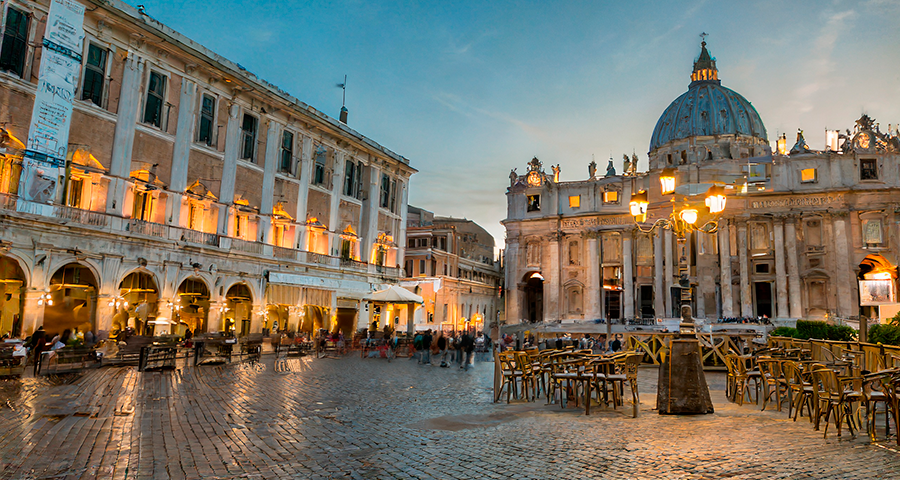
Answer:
[(394, 294)]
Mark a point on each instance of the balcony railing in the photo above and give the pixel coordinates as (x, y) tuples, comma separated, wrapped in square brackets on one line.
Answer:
[(320, 259), (84, 217), (146, 228), (247, 247), (285, 253), (202, 238), (355, 265)]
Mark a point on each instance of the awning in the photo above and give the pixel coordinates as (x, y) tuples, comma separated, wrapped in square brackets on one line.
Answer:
[(292, 295), (394, 294)]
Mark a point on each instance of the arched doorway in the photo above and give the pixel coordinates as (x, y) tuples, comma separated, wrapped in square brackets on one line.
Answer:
[(191, 308), (73, 300), (238, 309), (12, 297), (534, 297), (139, 293), (877, 287)]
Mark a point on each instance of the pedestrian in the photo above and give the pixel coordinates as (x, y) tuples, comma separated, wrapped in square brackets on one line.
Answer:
[(37, 346), (615, 345), (417, 346), (442, 348), (426, 348), (467, 345)]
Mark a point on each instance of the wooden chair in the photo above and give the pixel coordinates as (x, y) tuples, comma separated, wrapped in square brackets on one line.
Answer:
[(836, 398), (524, 364), (510, 374), (799, 390), (628, 370), (878, 387), (770, 370), (741, 379)]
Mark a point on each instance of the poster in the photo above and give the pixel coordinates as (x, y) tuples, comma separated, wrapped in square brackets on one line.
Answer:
[(48, 134), (876, 292)]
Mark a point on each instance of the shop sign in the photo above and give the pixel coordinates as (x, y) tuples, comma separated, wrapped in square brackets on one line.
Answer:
[(876, 292)]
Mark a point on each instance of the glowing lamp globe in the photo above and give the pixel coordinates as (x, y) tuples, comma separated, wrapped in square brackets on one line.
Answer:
[(715, 199), (667, 181), (689, 215)]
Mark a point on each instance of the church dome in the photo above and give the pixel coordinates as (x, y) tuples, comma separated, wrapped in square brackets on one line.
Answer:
[(707, 108)]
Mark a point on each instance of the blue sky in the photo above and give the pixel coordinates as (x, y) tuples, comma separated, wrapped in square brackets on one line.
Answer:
[(469, 90)]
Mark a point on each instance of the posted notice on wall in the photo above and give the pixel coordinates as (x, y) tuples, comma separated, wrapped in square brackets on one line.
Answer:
[(48, 134)]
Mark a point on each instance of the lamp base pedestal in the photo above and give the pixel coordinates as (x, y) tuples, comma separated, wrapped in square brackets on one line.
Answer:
[(682, 386)]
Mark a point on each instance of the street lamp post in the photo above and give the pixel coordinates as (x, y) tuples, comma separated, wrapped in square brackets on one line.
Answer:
[(682, 384)]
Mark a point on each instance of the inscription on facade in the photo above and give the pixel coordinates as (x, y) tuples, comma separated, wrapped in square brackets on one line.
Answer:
[(596, 221), (798, 201)]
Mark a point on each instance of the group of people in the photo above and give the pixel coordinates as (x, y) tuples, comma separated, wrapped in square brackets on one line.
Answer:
[(40, 341), (458, 349)]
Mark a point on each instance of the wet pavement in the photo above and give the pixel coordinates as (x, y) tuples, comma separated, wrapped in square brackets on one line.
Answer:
[(367, 418)]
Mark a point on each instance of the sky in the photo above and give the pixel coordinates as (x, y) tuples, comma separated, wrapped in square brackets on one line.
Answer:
[(469, 90)]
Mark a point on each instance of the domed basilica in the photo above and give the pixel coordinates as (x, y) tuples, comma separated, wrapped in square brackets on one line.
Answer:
[(724, 221)]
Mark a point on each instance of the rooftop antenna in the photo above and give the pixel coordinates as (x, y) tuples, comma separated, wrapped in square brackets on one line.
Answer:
[(344, 111), (703, 37)]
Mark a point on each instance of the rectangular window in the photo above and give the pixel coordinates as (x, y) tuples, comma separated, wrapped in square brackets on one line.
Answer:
[(868, 169), (574, 201), (207, 119), (143, 206), (248, 138), (808, 175), (421, 268), (393, 196), (156, 94), (409, 266), (94, 75), (195, 217), (15, 42), (319, 174), (73, 196), (287, 152), (240, 226), (350, 182), (813, 233), (534, 203), (611, 196), (385, 191)]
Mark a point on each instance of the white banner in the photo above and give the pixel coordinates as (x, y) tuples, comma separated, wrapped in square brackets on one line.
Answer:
[(48, 134)]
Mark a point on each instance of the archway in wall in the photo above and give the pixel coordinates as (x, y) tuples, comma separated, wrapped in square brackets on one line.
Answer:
[(238, 309), (73, 301), (12, 297), (534, 297), (140, 295), (191, 308), (877, 287)]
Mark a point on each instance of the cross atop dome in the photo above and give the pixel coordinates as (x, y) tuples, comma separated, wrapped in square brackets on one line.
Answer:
[(705, 66)]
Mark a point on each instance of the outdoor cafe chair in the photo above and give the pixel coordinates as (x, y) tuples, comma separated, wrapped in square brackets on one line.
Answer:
[(524, 364), (878, 387), (510, 374), (770, 370), (741, 379), (567, 373), (800, 391), (628, 369), (834, 395)]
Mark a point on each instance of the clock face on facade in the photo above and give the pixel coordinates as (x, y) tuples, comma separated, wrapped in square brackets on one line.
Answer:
[(862, 140), (534, 179)]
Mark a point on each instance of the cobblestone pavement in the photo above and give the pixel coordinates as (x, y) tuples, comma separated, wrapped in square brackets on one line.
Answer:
[(354, 418)]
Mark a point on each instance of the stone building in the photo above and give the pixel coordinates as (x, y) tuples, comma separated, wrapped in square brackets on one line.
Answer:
[(805, 233), (189, 193), (450, 262)]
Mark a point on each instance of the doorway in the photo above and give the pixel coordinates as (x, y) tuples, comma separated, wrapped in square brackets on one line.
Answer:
[(762, 292), (645, 299), (534, 298)]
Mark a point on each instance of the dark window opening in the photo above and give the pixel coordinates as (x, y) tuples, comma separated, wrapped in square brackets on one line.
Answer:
[(156, 94), (248, 137), (287, 152), (319, 175), (351, 171), (94, 73), (868, 169), (207, 117), (385, 191), (15, 42)]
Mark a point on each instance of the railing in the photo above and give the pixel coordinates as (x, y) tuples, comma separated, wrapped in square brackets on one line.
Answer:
[(146, 228), (202, 238), (356, 265), (285, 253), (248, 247), (84, 217), (318, 258), (387, 271), (7, 201)]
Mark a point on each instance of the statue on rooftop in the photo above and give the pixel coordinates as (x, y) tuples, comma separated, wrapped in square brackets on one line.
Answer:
[(555, 169), (610, 169), (626, 164), (513, 176), (592, 169), (800, 146)]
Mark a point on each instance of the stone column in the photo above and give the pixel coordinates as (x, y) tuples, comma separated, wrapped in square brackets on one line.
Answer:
[(306, 166), (411, 320), (659, 298), (334, 213), (123, 138), (551, 285), (670, 259), (32, 313), (104, 312), (627, 276), (369, 224), (746, 296), (592, 298), (842, 277), (229, 167), (793, 271), (267, 200), (725, 269), (511, 272), (184, 135), (215, 318), (403, 185), (781, 287), (258, 318)]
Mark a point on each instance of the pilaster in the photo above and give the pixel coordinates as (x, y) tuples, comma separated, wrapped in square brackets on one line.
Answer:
[(746, 296), (627, 275), (123, 137), (229, 167), (726, 289), (793, 271), (781, 285)]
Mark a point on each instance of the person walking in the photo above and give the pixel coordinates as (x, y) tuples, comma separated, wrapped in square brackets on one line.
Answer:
[(426, 347), (442, 348), (467, 345)]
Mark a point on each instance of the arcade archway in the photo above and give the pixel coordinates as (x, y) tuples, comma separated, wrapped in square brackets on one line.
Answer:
[(238, 310), (73, 300), (191, 308), (139, 293), (12, 297), (878, 287)]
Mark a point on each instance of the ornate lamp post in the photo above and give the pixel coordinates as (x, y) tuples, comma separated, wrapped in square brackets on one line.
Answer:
[(682, 383)]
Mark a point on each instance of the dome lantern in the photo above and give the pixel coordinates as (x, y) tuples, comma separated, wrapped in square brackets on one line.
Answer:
[(705, 67)]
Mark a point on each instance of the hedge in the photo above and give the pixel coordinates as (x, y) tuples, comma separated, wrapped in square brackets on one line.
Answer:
[(807, 329), (884, 333)]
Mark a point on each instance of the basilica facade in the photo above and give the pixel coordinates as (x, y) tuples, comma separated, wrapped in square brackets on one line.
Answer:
[(805, 233)]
